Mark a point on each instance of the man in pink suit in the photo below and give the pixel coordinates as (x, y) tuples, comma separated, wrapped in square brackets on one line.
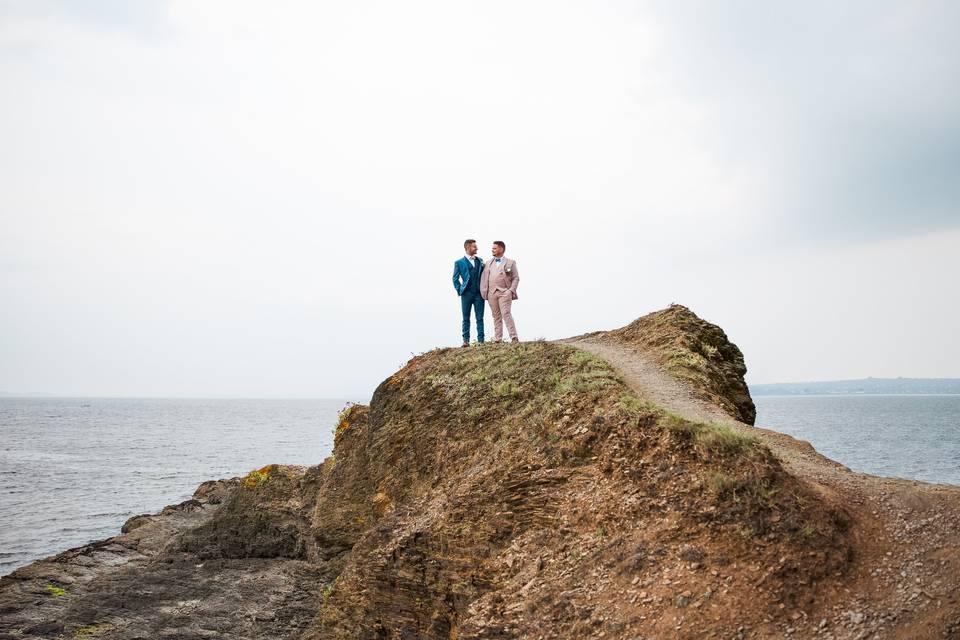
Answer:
[(498, 286)]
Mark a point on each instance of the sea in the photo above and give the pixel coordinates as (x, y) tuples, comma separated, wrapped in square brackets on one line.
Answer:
[(72, 470), (905, 436)]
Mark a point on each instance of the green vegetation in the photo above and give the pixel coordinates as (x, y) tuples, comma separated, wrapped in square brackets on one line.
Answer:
[(343, 421), (328, 590), (584, 359), (708, 350), (530, 390), (684, 363), (554, 395), (531, 372), (587, 381), (722, 440), (55, 591), (92, 631), (634, 406), (721, 483), (506, 389), (591, 374), (710, 438), (679, 426)]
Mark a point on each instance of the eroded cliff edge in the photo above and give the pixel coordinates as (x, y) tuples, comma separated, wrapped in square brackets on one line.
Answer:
[(529, 491)]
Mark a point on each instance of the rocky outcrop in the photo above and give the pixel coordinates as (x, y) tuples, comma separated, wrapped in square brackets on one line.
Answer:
[(519, 491), (504, 491), (697, 351), (181, 573)]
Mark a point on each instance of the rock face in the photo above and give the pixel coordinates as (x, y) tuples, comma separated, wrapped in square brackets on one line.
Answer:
[(150, 583), (523, 491), (504, 491)]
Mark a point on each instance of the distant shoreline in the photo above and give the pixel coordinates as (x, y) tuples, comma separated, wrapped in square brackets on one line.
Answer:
[(821, 394), (864, 386)]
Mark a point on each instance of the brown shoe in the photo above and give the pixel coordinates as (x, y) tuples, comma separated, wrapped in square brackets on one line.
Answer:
[(465, 344), (514, 339)]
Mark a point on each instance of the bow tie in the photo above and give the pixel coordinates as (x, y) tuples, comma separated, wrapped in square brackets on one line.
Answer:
[(497, 260)]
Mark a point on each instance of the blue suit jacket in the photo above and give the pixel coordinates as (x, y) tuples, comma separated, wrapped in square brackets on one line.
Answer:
[(461, 274)]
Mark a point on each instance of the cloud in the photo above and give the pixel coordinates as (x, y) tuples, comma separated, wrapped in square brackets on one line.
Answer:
[(850, 112), (239, 198), (142, 18)]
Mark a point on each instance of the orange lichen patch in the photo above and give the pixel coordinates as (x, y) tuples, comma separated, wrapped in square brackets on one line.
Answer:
[(343, 422), (395, 380), (258, 476)]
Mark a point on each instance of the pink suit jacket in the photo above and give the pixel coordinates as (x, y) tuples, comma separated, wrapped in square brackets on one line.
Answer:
[(507, 278)]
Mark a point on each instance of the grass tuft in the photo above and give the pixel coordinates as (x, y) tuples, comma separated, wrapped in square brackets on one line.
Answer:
[(584, 359), (721, 483), (710, 438), (724, 441), (506, 389), (636, 407), (343, 421), (680, 427), (91, 631), (328, 590)]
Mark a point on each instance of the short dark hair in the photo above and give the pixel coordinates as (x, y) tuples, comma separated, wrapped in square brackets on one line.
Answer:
[(500, 244), (468, 242)]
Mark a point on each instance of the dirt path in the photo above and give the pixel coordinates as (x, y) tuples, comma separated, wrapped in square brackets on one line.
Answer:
[(906, 582), (645, 376)]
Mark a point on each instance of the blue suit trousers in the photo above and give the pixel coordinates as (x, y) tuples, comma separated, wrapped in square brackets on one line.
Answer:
[(468, 300)]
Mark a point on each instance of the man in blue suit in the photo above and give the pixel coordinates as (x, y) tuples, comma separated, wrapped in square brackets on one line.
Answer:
[(466, 282)]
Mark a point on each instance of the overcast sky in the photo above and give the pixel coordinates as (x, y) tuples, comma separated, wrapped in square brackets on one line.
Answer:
[(226, 198)]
